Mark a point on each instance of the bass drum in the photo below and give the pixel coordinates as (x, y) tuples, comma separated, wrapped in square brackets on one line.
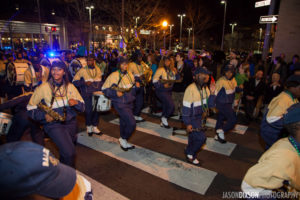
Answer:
[(48, 61), (5, 123), (76, 64), (15, 73)]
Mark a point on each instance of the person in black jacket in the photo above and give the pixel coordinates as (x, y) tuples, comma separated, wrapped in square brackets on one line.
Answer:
[(20, 121), (253, 90), (178, 89)]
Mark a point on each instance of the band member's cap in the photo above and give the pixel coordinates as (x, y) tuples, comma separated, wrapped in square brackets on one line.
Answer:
[(229, 67), (292, 115), (294, 78), (28, 168), (202, 70), (58, 64)]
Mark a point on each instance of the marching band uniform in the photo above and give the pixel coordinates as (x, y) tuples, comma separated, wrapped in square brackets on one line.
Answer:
[(34, 77), (124, 104), (165, 94), (272, 122), (279, 166), (225, 94), (21, 121), (94, 75), (137, 69), (57, 96), (196, 101)]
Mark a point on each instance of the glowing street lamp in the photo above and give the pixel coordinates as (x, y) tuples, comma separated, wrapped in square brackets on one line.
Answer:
[(90, 8), (232, 27), (181, 17), (225, 6)]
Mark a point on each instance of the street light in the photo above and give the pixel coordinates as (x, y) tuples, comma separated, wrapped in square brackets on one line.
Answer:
[(225, 6), (171, 25), (53, 12), (165, 24), (232, 27), (91, 30), (136, 21), (189, 29), (181, 16)]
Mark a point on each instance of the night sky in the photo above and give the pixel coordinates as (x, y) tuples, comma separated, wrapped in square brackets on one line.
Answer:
[(240, 11)]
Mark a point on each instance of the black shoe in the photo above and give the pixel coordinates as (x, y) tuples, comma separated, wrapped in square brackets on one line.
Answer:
[(217, 138), (123, 148), (138, 121), (165, 126), (101, 133), (130, 148), (90, 134)]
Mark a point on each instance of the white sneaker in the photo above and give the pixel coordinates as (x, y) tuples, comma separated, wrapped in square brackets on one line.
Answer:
[(96, 130), (189, 156), (130, 146), (89, 130), (123, 143), (139, 118), (221, 134), (196, 161), (164, 121)]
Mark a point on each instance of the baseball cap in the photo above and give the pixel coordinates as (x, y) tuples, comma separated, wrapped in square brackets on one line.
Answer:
[(202, 70), (27, 168), (292, 115)]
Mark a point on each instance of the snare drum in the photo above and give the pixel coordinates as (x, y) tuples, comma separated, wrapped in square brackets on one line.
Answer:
[(15, 73), (101, 103), (5, 123), (76, 65)]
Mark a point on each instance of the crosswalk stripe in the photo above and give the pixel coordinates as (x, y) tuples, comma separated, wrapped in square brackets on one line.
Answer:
[(188, 176), (211, 123), (156, 130), (101, 192)]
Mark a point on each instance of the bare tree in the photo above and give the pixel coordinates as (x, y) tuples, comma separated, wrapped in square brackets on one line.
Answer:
[(198, 18)]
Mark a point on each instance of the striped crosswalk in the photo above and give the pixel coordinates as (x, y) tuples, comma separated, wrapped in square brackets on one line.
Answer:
[(166, 173), (156, 130)]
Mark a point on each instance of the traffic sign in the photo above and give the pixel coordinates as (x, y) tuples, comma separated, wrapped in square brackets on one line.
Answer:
[(262, 3), (269, 19)]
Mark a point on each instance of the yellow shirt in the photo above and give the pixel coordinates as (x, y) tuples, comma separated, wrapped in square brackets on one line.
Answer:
[(278, 106), (281, 162), (127, 80)]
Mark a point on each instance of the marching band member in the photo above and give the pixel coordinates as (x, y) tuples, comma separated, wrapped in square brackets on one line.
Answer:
[(54, 104), (196, 102), (35, 74), (122, 100), (20, 58), (278, 168), (20, 121), (164, 90), (226, 87), (88, 79), (137, 69), (271, 124)]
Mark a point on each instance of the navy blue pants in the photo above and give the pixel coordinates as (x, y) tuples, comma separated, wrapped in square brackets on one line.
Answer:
[(225, 113), (139, 101), (21, 123), (91, 115), (195, 141), (127, 121), (167, 103), (269, 133), (64, 136)]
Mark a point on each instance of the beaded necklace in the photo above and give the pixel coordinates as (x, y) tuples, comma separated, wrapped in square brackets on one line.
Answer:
[(90, 73), (294, 143)]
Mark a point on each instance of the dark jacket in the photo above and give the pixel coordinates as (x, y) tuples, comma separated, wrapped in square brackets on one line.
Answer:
[(252, 90), (187, 78)]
